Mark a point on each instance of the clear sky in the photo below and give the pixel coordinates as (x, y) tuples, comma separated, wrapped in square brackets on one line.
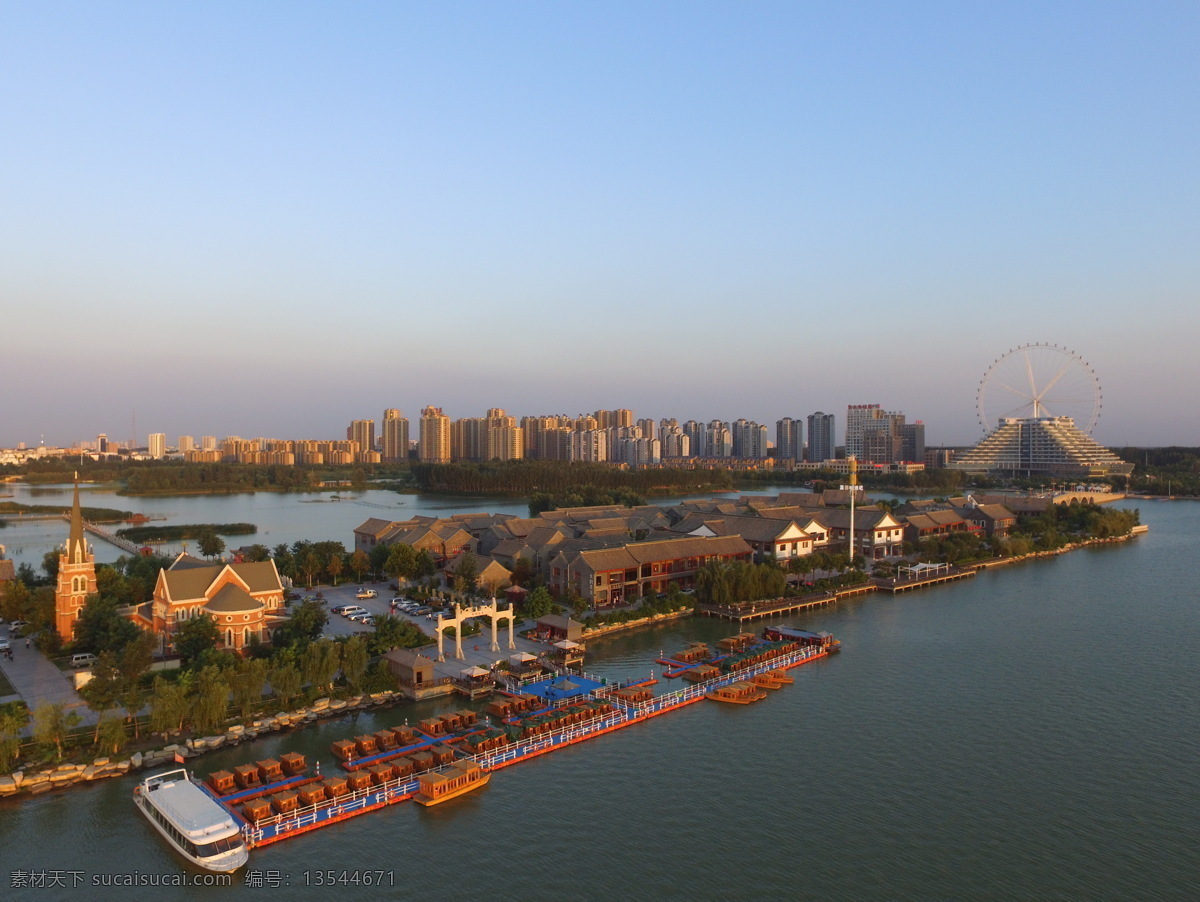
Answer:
[(268, 219)]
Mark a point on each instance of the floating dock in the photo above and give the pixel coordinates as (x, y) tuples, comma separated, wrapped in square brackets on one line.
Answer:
[(576, 709)]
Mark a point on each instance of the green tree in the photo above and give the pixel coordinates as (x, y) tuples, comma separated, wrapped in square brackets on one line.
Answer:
[(336, 565), (394, 632), (12, 721), (209, 700), (50, 565), (285, 561), (110, 735), (135, 658), (354, 661), (319, 662), (467, 571), (257, 553), (14, 600), (424, 564), (310, 565), (401, 562), (211, 544), (101, 627), (360, 563), (104, 689), (246, 680), (378, 557), (195, 636), (523, 572), (286, 681), (538, 603), (52, 725), (168, 705), (305, 623)]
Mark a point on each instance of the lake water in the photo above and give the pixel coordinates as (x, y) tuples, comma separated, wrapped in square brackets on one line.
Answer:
[(1028, 734)]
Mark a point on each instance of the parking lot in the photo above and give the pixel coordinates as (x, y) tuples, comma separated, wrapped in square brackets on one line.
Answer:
[(476, 651)]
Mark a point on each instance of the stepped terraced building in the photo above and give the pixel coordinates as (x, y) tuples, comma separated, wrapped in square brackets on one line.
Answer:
[(1051, 445)]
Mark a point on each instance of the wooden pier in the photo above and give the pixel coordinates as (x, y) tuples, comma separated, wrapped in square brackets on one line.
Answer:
[(900, 584), (774, 607)]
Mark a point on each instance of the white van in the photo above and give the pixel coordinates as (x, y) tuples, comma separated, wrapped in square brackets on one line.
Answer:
[(87, 659)]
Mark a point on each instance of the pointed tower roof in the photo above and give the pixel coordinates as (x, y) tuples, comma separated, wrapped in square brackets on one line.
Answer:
[(76, 544)]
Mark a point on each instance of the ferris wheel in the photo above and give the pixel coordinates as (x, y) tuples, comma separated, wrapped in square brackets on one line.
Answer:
[(1039, 380)]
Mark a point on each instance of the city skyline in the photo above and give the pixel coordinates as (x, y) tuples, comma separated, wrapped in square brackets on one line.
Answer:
[(270, 220)]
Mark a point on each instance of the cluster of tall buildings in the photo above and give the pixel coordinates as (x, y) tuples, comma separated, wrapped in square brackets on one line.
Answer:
[(611, 436)]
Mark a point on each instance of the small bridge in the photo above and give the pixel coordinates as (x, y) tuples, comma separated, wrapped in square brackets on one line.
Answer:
[(111, 537)]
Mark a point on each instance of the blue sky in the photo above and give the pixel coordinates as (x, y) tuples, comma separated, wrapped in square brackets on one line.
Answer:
[(268, 219)]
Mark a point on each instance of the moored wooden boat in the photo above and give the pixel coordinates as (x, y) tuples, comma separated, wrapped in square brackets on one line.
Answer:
[(766, 681), (449, 782), (739, 693)]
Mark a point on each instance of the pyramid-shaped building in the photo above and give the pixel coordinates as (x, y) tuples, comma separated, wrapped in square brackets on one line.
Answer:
[(1051, 445)]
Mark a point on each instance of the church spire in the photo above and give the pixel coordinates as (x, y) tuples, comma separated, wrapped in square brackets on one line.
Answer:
[(76, 549)]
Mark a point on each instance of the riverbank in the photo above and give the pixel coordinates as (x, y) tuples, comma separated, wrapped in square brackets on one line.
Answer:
[(33, 781), (43, 778)]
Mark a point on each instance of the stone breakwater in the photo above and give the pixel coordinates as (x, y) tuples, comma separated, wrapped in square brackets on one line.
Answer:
[(31, 782)]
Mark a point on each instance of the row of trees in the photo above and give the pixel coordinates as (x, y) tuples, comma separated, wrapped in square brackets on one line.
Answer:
[(728, 582), (527, 477), (167, 478)]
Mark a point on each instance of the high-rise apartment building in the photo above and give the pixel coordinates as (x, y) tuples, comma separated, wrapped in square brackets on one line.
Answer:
[(673, 441), (608, 419), (912, 447), (208, 443), (789, 439), (718, 440), (156, 445), (821, 441), (749, 440), (876, 435), (102, 443), (363, 432), (395, 435), (186, 444), (434, 444)]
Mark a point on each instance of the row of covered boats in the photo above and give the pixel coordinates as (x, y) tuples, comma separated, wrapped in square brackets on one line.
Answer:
[(214, 823)]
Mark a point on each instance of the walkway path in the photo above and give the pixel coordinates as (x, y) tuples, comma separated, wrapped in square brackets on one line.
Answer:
[(38, 681)]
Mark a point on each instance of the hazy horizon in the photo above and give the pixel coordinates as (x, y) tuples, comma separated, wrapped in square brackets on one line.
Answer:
[(271, 219)]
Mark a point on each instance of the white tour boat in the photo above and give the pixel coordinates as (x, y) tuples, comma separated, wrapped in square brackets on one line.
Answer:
[(191, 820)]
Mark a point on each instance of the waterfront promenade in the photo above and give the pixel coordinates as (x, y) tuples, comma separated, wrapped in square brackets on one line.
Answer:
[(39, 682)]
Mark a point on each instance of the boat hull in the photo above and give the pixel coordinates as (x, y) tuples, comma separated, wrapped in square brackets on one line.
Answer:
[(429, 801)]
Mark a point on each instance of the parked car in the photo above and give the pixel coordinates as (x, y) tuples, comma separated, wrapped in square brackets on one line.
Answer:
[(16, 626), (3, 643), (342, 608), (365, 593), (422, 609), (353, 611), (365, 619)]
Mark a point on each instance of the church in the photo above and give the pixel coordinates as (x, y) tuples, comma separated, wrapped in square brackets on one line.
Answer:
[(244, 600)]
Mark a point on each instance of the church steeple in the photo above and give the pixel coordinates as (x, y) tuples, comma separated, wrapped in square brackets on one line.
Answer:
[(76, 574), (76, 545)]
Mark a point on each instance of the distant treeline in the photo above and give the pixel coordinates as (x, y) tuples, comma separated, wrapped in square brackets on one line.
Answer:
[(554, 477), (1162, 471), (185, 531), (204, 478), (939, 480), (95, 514)]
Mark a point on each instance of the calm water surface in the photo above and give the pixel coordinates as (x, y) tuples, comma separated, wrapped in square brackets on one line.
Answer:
[(1031, 733)]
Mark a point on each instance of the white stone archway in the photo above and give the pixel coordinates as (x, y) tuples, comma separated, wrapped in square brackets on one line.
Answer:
[(463, 613)]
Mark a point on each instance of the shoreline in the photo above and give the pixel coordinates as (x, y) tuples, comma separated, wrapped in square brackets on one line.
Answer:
[(20, 785)]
